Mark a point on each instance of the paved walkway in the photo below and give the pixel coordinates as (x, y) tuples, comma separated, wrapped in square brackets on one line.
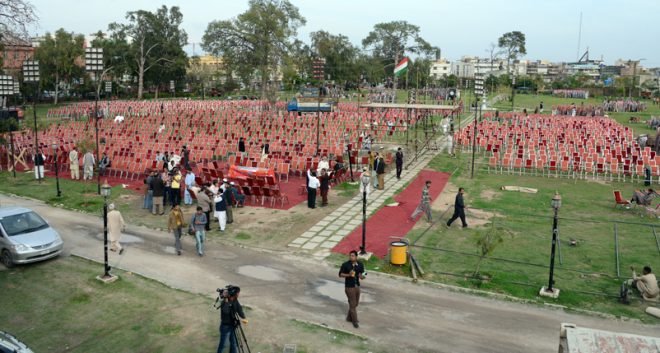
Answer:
[(324, 235)]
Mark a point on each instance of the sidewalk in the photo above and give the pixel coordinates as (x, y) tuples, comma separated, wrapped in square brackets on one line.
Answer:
[(327, 233)]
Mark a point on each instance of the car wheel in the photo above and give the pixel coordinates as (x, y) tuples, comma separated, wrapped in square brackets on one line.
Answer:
[(6, 259)]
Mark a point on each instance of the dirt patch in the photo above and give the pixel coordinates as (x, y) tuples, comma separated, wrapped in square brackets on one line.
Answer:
[(488, 195), (475, 217)]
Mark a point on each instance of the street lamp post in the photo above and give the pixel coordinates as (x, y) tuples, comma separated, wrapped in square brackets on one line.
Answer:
[(550, 291), (94, 64), (513, 91), (7, 89), (31, 75), (105, 191), (478, 92), (57, 168), (365, 180)]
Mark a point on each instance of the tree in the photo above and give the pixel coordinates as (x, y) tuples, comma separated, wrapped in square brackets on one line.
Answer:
[(486, 242), (61, 59), (392, 40), (258, 38), (339, 55), (513, 45), (15, 17), (156, 42), (116, 55)]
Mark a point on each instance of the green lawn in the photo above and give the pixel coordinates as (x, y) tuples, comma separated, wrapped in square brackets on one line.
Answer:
[(587, 274), (59, 306)]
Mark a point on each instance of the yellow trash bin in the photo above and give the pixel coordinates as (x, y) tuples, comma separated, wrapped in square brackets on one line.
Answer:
[(398, 250)]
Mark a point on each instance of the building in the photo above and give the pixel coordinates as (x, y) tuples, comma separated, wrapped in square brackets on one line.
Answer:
[(467, 66), (15, 51), (440, 68)]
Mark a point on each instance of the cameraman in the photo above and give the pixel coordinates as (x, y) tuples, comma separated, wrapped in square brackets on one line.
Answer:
[(352, 271), (229, 321)]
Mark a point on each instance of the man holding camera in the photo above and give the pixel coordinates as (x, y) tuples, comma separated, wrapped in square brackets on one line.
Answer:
[(352, 271), (231, 316)]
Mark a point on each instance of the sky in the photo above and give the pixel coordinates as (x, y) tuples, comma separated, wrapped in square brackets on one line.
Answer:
[(611, 29)]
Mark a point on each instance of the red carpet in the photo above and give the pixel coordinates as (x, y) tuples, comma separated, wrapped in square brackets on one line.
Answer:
[(392, 221)]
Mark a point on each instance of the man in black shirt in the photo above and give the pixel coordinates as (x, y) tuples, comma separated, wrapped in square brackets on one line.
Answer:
[(230, 312), (459, 209), (325, 186), (352, 271), (399, 162)]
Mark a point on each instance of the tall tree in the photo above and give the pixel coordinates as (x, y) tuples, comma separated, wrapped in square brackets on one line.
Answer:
[(258, 38), (15, 18), (60, 59), (392, 40), (339, 55), (116, 55), (513, 45), (156, 42)]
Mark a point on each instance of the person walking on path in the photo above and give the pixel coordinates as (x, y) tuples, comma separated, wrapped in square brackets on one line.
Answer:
[(189, 183), (220, 210), (226, 194), (175, 225), (425, 204), (175, 187), (353, 272), (399, 162), (39, 159), (148, 192), (88, 165), (198, 223), (459, 209), (158, 191), (116, 225), (324, 179), (380, 172), (313, 183), (74, 164), (204, 201)]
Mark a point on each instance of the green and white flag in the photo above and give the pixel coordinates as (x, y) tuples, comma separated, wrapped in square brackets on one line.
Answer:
[(401, 67)]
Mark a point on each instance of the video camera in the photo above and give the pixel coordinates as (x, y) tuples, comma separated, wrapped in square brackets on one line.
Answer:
[(228, 291)]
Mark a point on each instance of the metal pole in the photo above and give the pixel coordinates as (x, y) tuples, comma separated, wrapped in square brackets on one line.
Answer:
[(350, 163), (551, 280), (11, 141), (363, 248), (57, 174), (96, 124), (474, 138), (318, 124), (36, 129), (616, 249), (105, 238), (657, 242)]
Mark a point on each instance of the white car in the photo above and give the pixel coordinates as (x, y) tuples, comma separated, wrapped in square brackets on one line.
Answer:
[(11, 344), (25, 237)]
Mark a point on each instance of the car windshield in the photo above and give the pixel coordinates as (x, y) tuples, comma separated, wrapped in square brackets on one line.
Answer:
[(22, 223)]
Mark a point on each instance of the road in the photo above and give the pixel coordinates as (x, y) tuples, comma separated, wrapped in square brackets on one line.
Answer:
[(393, 312)]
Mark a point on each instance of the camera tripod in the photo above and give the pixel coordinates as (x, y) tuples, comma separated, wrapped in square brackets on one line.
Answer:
[(239, 335)]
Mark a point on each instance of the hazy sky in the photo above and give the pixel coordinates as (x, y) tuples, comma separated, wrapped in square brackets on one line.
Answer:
[(612, 29)]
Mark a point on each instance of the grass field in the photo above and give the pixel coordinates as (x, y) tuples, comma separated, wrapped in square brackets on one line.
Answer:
[(586, 274), (59, 306)]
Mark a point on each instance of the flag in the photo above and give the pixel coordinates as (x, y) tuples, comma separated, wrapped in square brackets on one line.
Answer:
[(401, 67)]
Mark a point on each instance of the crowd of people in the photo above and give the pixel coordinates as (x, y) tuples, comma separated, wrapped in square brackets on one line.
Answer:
[(623, 105), (571, 93)]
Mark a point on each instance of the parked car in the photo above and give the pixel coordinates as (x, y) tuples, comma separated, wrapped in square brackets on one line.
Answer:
[(11, 344), (25, 237)]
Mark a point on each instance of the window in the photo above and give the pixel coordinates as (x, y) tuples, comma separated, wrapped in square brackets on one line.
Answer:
[(22, 223)]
